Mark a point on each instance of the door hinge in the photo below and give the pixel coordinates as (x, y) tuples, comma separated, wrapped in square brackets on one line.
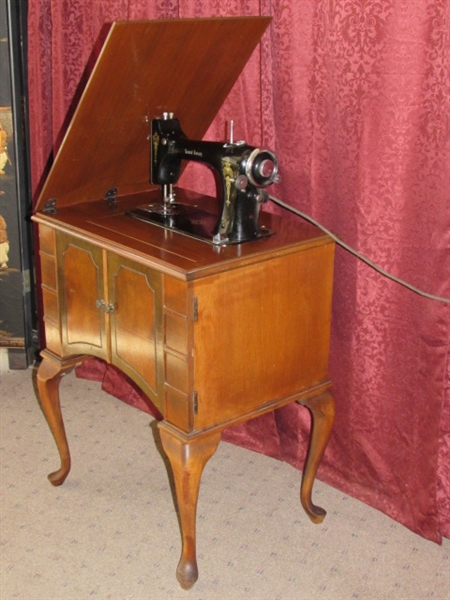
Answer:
[(195, 307), (195, 402), (110, 197), (50, 207)]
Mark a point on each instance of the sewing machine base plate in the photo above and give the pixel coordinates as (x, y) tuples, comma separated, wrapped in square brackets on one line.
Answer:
[(189, 220)]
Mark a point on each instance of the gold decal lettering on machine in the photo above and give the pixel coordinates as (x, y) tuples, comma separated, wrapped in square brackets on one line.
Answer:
[(155, 139), (228, 175)]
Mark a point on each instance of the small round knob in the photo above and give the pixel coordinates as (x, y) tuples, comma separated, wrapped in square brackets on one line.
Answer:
[(241, 182)]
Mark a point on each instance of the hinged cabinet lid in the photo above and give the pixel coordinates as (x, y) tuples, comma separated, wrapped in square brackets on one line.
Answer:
[(145, 68)]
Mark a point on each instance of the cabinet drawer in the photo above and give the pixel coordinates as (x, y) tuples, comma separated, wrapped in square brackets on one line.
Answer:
[(47, 240), (177, 408), (48, 271), (176, 332), (177, 374), (50, 301), (175, 296)]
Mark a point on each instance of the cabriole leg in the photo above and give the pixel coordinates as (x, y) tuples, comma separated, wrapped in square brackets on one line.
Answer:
[(323, 410), (49, 375), (188, 458)]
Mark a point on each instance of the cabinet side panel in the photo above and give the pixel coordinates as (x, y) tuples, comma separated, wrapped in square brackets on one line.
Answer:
[(262, 333)]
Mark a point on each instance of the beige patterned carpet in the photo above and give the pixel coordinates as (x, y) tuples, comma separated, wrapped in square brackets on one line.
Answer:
[(111, 531)]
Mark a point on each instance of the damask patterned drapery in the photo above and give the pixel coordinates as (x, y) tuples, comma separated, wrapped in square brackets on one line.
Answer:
[(354, 97)]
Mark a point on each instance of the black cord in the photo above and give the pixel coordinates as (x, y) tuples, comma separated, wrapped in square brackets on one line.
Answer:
[(357, 254)]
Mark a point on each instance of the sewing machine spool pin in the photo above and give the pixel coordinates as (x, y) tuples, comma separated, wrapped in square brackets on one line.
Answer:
[(231, 132)]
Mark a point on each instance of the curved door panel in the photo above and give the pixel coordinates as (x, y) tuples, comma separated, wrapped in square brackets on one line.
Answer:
[(80, 280), (136, 324)]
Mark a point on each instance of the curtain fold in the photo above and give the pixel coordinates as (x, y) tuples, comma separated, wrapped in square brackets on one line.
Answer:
[(354, 98)]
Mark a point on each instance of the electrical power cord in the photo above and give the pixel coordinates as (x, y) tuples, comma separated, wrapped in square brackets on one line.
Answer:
[(356, 253)]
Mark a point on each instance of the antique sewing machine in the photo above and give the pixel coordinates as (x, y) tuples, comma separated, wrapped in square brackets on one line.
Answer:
[(241, 173), (213, 334)]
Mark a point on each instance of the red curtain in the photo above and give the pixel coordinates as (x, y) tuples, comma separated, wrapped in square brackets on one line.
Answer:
[(353, 96)]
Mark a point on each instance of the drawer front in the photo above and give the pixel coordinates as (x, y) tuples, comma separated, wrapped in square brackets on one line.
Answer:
[(178, 353), (47, 256)]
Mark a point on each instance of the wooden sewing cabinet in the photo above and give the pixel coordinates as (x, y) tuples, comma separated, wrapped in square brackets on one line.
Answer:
[(214, 336)]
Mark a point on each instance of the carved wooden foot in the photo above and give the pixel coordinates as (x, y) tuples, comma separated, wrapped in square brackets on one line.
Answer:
[(188, 458), (323, 410), (49, 375)]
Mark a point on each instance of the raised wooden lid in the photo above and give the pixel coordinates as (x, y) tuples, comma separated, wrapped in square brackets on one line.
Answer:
[(145, 68)]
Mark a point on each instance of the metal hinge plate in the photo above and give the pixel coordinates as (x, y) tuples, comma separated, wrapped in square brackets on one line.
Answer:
[(50, 207), (110, 196)]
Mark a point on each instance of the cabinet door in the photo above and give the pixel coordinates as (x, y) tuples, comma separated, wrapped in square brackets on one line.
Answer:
[(80, 288), (135, 300), (262, 334)]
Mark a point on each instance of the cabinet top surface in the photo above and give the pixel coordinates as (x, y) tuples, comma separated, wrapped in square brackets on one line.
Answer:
[(108, 226), (145, 68)]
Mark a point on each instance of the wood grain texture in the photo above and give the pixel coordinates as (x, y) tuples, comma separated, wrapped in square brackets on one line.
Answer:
[(136, 324), (170, 252), (262, 333), (146, 67), (188, 459), (213, 336), (48, 378)]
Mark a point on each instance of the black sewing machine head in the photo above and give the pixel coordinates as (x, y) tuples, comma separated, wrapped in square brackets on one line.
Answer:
[(241, 172)]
